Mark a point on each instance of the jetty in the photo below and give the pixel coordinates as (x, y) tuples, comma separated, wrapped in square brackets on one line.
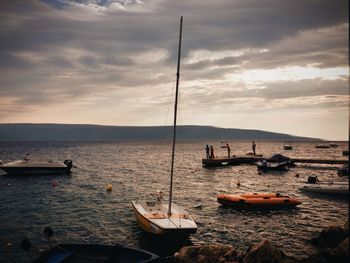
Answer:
[(251, 159)]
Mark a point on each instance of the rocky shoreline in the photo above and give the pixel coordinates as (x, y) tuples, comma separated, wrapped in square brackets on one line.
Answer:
[(332, 244)]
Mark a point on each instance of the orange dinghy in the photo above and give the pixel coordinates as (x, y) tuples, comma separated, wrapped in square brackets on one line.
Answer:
[(255, 200)]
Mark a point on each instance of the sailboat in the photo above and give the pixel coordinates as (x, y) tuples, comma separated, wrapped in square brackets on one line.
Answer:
[(157, 216)]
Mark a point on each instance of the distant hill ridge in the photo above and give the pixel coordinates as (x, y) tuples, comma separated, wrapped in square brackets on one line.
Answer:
[(87, 132)]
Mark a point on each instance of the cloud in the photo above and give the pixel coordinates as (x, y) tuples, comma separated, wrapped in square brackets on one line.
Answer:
[(125, 51)]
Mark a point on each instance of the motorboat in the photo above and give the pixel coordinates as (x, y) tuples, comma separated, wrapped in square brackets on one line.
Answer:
[(36, 166), (265, 166), (327, 187), (78, 253), (257, 200), (333, 145)]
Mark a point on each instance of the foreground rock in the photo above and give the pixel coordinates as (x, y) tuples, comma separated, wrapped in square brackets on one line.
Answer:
[(208, 254), (330, 237), (266, 252), (332, 243)]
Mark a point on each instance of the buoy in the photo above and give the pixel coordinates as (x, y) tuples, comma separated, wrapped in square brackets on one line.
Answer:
[(238, 183), (9, 244), (297, 175), (48, 232), (26, 244), (109, 187), (54, 183)]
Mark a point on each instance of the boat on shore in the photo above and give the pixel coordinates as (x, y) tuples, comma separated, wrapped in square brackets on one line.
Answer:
[(78, 253), (157, 216), (36, 166), (257, 200)]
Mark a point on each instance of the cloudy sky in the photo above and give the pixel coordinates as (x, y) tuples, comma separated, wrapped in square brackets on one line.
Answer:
[(270, 65)]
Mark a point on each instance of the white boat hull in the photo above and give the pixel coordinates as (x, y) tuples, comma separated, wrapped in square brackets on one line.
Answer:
[(35, 167), (324, 188), (153, 218)]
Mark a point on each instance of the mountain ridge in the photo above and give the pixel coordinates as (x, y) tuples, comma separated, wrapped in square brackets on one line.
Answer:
[(95, 132)]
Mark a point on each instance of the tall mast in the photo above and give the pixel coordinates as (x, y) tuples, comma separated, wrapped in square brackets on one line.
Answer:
[(175, 116)]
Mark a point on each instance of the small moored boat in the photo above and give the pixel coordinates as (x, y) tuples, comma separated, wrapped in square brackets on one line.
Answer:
[(322, 146), (288, 147), (265, 166), (36, 166), (331, 187), (258, 200), (78, 253), (166, 218)]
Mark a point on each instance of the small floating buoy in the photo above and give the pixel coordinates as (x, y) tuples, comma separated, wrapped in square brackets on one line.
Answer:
[(297, 175), (26, 244), (238, 183), (109, 187), (48, 232), (9, 244)]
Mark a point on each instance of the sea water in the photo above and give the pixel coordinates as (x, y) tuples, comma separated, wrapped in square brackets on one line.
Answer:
[(80, 210)]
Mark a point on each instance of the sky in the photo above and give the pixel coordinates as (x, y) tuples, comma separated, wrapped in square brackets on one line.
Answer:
[(272, 65)]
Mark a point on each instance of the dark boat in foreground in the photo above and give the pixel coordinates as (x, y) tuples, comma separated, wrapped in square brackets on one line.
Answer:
[(88, 253), (272, 166), (36, 166)]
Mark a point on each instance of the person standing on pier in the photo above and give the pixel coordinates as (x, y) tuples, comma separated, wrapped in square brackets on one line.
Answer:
[(253, 147), (228, 150), (207, 151), (212, 152)]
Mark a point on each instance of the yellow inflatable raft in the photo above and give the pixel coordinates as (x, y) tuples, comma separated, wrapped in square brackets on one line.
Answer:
[(256, 200)]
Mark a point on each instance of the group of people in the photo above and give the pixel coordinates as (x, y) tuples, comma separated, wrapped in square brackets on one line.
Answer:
[(209, 150)]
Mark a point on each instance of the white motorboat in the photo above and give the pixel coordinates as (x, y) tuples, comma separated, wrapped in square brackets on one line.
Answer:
[(334, 188), (36, 166)]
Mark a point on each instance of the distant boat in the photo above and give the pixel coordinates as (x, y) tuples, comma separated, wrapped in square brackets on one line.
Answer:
[(333, 145), (343, 171), (346, 153), (165, 218), (77, 253), (265, 166), (287, 147), (36, 166), (257, 200), (322, 146)]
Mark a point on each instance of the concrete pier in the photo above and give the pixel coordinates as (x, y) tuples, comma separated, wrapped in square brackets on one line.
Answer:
[(251, 159)]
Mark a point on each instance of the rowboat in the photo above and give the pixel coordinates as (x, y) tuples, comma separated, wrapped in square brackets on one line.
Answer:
[(78, 253)]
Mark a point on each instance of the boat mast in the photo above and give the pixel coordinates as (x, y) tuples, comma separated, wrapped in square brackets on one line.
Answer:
[(175, 116)]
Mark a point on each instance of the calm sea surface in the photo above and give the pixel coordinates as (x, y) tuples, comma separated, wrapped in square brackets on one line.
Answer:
[(80, 210)]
